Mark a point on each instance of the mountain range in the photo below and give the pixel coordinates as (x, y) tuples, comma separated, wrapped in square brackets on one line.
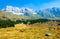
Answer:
[(27, 13), (9, 16)]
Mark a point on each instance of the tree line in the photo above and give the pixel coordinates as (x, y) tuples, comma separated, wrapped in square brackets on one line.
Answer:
[(9, 23)]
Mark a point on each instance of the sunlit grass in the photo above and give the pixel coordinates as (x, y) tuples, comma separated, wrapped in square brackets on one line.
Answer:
[(33, 31)]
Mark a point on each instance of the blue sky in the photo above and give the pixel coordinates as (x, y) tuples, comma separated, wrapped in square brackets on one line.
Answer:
[(34, 4)]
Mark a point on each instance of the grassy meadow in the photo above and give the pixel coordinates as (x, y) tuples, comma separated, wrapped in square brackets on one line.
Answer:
[(31, 31)]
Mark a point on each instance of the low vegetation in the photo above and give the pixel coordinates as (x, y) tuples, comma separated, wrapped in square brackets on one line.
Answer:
[(45, 30)]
